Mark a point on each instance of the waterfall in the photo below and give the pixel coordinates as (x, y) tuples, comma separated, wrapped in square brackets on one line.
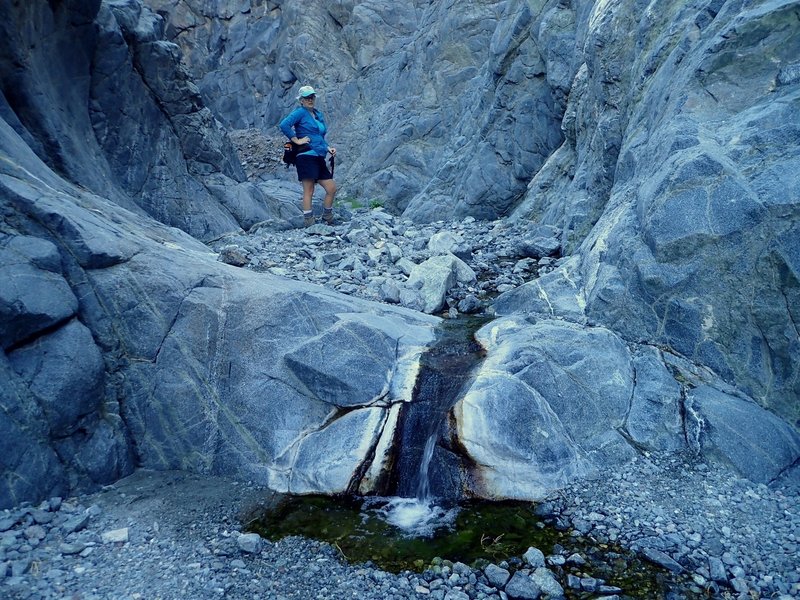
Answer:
[(423, 483), (423, 479), (445, 370)]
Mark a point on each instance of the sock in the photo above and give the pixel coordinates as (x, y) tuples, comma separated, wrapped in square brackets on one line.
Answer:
[(327, 210), (308, 213)]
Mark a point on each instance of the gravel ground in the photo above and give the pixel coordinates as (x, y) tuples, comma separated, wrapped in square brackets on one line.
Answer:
[(372, 254), (178, 535), (734, 538)]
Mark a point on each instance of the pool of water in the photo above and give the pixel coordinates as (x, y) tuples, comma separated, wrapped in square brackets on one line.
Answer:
[(406, 533), (399, 534)]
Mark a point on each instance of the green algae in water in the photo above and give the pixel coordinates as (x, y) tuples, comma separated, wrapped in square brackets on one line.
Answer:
[(482, 532), (490, 532)]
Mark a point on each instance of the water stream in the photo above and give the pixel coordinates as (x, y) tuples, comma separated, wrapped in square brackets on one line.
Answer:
[(424, 486)]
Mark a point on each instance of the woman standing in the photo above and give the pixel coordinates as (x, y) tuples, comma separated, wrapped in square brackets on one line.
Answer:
[(305, 126)]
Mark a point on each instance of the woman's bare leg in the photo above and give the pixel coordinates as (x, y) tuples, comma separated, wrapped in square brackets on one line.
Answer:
[(308, 194), (329, 185)]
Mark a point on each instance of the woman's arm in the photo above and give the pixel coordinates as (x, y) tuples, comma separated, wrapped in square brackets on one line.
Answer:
[(288, 123), (288, 127)]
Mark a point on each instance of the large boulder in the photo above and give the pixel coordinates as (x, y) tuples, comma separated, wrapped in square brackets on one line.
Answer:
[(258, 372), (555, 401), (522, 447), (429, 282), (545, 408)]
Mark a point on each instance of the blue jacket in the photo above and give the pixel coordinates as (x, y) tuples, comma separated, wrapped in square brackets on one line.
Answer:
[(299, 123)]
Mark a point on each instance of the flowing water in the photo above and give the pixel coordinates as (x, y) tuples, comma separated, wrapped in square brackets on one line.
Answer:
[(424, 487), (423, 483)]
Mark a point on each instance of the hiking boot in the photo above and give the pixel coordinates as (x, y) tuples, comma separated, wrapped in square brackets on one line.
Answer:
[(309, 221), (327, 216)]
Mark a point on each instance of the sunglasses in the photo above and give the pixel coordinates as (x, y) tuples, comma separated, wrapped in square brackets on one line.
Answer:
[(312, 97)]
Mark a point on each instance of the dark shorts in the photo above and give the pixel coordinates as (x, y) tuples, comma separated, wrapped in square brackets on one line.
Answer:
[(312, 167)]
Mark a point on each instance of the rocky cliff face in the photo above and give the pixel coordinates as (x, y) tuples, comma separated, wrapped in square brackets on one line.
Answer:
[(117, 330), (695, 246), (442, 109), (658, 139), (102, 98)]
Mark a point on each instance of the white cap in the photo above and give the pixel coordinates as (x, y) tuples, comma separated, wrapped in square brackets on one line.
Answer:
[(305, 92)]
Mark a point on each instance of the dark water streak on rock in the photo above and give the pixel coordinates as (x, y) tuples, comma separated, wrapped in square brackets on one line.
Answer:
[(445, 371)]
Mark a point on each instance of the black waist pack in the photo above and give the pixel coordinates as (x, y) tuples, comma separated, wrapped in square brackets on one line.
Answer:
[(291, 150)]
